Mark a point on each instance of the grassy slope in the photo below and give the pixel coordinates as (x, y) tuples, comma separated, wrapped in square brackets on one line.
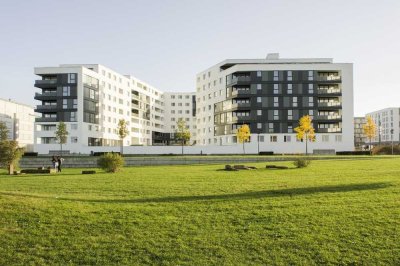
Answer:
[(332, 212)]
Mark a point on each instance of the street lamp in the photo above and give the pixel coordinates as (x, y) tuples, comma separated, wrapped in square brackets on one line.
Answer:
[(391, 135)]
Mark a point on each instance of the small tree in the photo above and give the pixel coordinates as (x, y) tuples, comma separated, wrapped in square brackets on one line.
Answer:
[(370, 131), (10, 153), (305, 130), (61, 134), (243, 135), (182, 133), (122, 132)]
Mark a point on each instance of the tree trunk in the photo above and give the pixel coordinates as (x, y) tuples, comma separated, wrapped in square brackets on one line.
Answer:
[(182, 146), (61, 149), (370, 145), (122, 147), (244, 151), (306, 145)]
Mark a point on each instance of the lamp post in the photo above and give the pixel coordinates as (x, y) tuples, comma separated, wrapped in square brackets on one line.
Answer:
[(391, 135), (380, 132), (258, 143)]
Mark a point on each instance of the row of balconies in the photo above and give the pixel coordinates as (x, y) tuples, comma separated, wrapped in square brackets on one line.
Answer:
[(320, 78)]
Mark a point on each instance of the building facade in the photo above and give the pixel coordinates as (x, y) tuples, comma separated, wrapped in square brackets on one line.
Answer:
[(387, 125), (271, 95), (359, 138), (19, 119)]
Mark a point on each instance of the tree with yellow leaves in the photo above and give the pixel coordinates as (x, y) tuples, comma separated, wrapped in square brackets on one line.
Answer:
[(305, 130), (243, 135), (370, 130)]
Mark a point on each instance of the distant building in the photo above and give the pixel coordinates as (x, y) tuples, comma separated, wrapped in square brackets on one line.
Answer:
[(387, 125), (19, 119), (359, 138)]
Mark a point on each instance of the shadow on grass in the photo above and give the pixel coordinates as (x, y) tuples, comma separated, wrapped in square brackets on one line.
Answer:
[(239, 196)]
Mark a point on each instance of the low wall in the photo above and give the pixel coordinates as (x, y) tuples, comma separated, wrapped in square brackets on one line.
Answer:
[(91, 161)]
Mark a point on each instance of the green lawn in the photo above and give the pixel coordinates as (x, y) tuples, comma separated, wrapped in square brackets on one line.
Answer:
[(334, 212)]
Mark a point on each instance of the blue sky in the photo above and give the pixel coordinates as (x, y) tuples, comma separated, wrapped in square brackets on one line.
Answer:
[(165, 43)]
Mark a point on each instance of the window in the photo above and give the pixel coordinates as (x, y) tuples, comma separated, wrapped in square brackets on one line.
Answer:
[(289, 88), (294, 101), (259, 125), (259, 112), (310, 101), (261, 138), (73, 117), (172, 104), (65, 103), (74, 126), (72, 78), (273, 138), (276, 114), (91, 94), (290, 129), (276, 102), (325, 138), (258, 99), (258, 73), (66, 91), (310, 88), (276, 89), (258, 87), (338, 138), (290, 114), (287, 138), (310, 75), (289, 75), (276, 75), (179, 104), (271, 127)]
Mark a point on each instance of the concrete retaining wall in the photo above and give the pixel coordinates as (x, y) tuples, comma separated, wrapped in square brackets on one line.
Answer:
[(91, 161)]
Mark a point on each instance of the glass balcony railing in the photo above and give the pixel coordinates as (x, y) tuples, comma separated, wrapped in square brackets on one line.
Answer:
[(329, 104), (329, 91), (329, 78)]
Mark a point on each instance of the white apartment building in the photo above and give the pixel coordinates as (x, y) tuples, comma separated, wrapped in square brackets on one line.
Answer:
[(387, 125), (180, 106), (91, 99), (270, 95), (19, 119)]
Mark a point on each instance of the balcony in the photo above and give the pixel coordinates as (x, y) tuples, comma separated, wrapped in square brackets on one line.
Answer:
[(239, 80), (45, 108), (45, 119), (240, 105), (330, 91), (329, 117), (330, 78), (239, 93), (330, 130), (45, 83), (45, 95), (329, 104)]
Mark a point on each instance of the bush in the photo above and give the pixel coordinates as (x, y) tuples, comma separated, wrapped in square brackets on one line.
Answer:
[(386, 150), (111, 162), (301, 162)]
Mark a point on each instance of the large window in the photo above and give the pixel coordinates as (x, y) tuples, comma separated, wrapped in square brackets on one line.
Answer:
[(66, 91), (72, 78)]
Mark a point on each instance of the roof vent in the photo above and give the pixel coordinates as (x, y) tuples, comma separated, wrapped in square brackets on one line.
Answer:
[(273, 56)]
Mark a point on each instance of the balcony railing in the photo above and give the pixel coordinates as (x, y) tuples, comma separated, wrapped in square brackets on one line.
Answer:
[(45, 81), (46, 94), (329, 78), (329, 104), (329, 117), (46, 119), (329, 130), (329, 91)]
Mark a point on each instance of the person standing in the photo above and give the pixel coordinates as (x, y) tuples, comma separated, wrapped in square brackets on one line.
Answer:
[(54, 161), (59, 161)]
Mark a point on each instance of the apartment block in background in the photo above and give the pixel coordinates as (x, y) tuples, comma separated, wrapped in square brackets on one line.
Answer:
[(387, 125), (359, 138), (19, 119), (271, 95)]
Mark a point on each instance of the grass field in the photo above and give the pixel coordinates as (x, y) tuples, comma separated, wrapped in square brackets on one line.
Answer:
[(334, 212)]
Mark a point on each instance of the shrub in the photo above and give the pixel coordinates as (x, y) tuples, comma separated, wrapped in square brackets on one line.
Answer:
[(301, 162), (386, 150), (111, 162)]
